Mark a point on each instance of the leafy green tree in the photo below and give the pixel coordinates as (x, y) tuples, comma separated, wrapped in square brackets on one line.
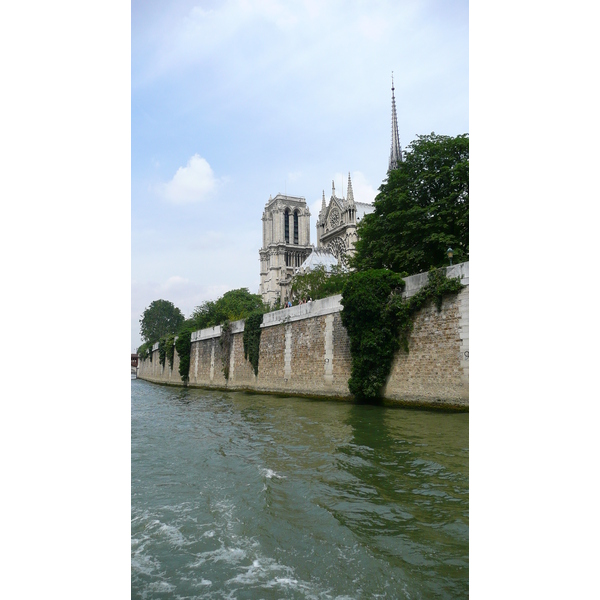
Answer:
[(233, 305), (159, 319), (319, 283), (422, 210)]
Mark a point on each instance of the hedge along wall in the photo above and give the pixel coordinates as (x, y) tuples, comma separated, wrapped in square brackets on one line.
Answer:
[(305, 350)]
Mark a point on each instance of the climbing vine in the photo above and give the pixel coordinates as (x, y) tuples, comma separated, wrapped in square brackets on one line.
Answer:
[(166, 349), (373, 340), (183, 345), (170, 349), (225, 343), (162, 351), (379, 322), (252, 339), (438, 286), (145, 350)]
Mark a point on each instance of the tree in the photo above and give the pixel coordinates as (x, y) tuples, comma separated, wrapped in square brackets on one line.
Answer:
[(422, 210), (159, 319), (319, 283), (233, 305)]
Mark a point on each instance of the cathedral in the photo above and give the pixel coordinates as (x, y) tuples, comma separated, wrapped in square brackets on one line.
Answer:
[(286, 248), (286, 245), (336, 226)]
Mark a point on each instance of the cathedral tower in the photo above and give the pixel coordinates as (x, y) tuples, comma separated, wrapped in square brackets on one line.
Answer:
[(286, 245), (396, 151)]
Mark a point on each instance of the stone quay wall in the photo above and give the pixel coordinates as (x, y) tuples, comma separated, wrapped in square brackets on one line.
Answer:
[(305, 350)]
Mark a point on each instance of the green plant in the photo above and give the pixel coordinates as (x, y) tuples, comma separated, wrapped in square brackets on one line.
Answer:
[(421, 210), (166, 349), (183, 345), (144, 350), (170, 342), (319, 283), (373, 340), (162, 351), (402, 311), (225, 343), (379, 322), (233, 305), (252, 332), (159, 319)]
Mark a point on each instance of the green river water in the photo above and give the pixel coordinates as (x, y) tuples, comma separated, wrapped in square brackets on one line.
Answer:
[(238, 495)]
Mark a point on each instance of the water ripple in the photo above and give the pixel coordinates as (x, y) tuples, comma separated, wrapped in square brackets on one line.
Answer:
[(245, 496)]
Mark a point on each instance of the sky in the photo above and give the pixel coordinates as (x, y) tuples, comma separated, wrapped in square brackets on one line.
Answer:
[(234, 101)]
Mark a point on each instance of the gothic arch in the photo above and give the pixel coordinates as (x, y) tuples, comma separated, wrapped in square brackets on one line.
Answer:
[(337, 247), (286, 225), (296, 230)]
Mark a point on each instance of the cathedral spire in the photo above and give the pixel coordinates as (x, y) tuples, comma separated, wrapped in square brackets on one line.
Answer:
[(332, 188), (350, 192), (395, 152), (323, 205)]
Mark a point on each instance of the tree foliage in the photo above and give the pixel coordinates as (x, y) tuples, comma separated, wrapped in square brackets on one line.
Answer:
[(422, 210), (373, 337), (225, 343), (379, 322), (251, 339), (233, 305), (159, 319), (319, 283), (183, 345)]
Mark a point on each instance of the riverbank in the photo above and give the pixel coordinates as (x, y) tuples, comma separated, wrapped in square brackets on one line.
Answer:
[(305, 351)]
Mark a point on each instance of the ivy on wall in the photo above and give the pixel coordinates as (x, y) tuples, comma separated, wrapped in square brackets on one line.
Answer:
[(166, 350), (171, 349), (225, 343), (373, 338), (252, 332), (162, 351), (183, 345), (379, 322), (438, 286), (145, 351)]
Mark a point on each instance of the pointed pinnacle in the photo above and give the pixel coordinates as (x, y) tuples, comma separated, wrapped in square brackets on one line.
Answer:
[(395, 152), (350, 192)]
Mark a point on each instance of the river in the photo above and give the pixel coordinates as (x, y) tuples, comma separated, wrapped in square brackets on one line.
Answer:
[(239, 495)]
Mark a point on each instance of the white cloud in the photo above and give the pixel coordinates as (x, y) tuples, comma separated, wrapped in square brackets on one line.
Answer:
[(195, 182), (175, 281)]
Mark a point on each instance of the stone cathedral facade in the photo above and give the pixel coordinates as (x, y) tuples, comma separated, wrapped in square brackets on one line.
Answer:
[(336, 226), (286, 245), (286, 231)]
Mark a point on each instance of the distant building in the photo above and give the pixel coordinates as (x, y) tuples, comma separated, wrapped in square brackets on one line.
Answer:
[(336, 226), (286, 247)]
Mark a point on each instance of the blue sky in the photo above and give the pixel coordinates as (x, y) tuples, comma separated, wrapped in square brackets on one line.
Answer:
[(233, 101)]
